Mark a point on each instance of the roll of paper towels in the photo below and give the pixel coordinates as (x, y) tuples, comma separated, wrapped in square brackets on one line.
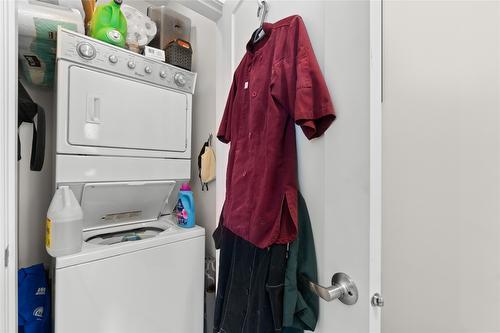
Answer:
[(37, 29), (76, 4)]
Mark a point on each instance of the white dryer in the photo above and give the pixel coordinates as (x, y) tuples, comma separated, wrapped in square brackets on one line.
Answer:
[(123, 145)]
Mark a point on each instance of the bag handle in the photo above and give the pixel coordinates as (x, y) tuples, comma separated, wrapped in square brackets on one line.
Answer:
[(38, 142)]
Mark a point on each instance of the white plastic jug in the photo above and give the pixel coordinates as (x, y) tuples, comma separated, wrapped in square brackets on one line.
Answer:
[(64, 224)]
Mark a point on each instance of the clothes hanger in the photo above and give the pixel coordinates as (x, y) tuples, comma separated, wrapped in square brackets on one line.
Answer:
[(262, 11)]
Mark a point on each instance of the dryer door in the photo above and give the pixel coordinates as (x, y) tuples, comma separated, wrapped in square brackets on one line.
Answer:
[(108, 114)]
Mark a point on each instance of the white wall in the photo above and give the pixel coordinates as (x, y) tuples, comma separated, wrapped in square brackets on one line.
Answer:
[(441, 230)]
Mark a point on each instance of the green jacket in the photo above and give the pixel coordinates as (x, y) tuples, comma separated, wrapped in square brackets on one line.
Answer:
[(300, 305)]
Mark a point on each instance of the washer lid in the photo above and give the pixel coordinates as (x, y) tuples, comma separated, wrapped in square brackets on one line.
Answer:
[(118, 203)]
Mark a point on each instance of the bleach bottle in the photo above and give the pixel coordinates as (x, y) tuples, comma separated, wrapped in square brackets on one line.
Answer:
[(64, 224), (185, 207)]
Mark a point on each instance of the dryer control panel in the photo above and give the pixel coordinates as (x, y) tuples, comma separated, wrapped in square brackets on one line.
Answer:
[(88, 51)]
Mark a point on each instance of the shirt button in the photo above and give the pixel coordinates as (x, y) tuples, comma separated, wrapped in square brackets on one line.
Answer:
[(244, 173), (250, 135), (254, 93)]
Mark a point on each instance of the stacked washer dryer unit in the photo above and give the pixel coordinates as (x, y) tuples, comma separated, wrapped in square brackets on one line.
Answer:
[(124, 146)]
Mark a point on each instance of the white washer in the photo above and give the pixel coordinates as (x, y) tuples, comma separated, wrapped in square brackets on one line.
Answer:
[(151, 285), (123, 146)]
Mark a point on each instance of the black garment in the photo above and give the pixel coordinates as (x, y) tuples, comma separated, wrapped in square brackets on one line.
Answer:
[(27, 111), (250, 287)]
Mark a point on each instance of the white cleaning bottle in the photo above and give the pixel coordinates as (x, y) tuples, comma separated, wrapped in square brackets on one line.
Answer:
[(64, 224)]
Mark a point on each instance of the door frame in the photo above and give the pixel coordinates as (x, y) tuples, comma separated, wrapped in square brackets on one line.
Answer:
[(8, 166), (376, 99)]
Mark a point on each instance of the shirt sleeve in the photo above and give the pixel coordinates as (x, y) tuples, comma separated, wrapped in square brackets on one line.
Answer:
[(307, 95), (224, 133)]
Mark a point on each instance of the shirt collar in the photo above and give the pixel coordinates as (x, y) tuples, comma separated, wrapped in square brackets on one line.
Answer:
[(268, 29)]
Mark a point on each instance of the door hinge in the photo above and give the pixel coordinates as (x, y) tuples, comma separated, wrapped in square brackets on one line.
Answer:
[(6, 257)]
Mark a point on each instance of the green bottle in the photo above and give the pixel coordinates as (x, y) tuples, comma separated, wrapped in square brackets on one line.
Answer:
[(109, 24)]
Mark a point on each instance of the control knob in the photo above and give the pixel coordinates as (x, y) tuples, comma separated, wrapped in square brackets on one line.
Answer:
[(180, 79), (147, 69), (85, 50), (131, 64), (113, 59), (163, 74)]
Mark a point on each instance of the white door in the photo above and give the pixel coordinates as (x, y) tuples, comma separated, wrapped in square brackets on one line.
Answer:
[(339, 174)]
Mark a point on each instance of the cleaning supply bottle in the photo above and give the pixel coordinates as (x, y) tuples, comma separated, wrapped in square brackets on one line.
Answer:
[(109, 23), (185, 207), (64, 224)]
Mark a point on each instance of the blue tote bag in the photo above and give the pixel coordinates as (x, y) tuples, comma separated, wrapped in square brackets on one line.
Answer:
[(34, 300)]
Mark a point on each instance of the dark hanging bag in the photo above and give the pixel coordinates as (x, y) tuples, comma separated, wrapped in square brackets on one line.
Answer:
[(27, 111)]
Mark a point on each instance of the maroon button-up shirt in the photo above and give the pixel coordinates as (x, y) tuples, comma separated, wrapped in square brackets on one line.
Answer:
[(277, 84)]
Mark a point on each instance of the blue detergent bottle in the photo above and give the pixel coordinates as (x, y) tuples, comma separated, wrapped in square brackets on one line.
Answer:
[(185, 207)]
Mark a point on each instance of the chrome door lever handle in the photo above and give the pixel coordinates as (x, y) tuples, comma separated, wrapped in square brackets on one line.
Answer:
[(343, 288)]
